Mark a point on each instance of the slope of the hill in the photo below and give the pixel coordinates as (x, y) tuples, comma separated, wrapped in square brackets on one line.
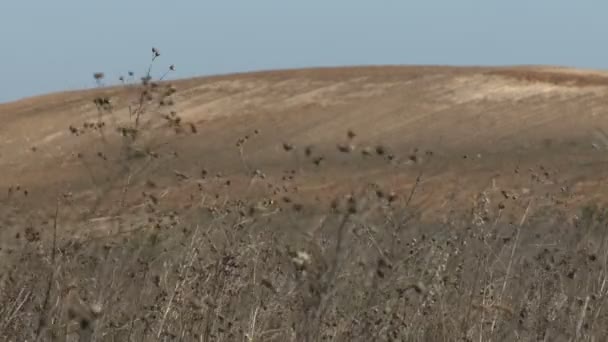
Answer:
[(215, 213), (461, 130)]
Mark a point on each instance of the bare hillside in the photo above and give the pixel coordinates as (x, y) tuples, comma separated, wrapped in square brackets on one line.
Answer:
[(463, 129)]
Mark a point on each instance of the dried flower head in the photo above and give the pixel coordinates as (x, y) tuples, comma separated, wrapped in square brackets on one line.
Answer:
[(172, 67), (301, 260)]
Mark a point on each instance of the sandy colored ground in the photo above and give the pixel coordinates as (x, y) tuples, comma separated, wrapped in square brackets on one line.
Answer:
[(461, 130)]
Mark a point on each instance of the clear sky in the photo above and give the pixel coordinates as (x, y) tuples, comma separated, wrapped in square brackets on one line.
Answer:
[(57, 45)]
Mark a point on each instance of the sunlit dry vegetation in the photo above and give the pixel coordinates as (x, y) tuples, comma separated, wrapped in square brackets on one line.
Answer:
[(211, 265)]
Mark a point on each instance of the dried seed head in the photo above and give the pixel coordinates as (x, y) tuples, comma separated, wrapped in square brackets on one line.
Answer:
[(367, 151), (146, 79), (352, 205), (98, 76), (79, 311), (335, 203), (287, 147), (96, 309), (166, 102), (345, 148), (172, 67), (170, 91), (301, 260), (258, 173), (392, 197), (268, 284), (308, 151)]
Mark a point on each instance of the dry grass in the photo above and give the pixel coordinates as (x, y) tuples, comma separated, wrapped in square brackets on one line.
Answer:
[(217, 267), (555, 77), (370, 271)]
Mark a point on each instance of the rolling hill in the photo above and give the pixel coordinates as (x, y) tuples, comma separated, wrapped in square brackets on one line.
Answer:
[(462, 130)]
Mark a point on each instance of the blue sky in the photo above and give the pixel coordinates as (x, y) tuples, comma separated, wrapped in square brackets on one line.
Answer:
[(56, 45)]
